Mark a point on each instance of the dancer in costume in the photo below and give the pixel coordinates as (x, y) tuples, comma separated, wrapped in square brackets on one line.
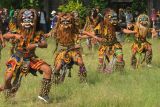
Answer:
[(24, 60), (141, 45), (110, 50), (66, 34), (91, 25)]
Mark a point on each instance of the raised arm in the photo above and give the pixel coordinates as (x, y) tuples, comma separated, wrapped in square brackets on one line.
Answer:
[(154, 32), (10, 36), (129, 31), (89, 34), (92, 35)]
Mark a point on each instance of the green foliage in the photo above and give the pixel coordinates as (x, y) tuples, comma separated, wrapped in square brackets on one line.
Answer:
[(139, 5), (83, 10), (20, 3), (73, 5), (102, 4), (5, 3), (30, 3)]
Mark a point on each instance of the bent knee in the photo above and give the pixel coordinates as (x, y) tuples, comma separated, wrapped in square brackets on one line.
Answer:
[(119, 58), (46, 69)]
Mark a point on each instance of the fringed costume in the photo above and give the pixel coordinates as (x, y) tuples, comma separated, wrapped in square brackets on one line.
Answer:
[(66, 35), (24, 59), (110, 51), (141, 45), (91, 25)]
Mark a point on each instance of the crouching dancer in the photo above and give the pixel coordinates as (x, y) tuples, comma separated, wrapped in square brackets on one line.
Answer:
[(110, 50), (141, 44), (66, 34), (24, 60)]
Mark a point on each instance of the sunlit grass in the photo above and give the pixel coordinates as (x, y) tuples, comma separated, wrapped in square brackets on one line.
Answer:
[(134, 88)]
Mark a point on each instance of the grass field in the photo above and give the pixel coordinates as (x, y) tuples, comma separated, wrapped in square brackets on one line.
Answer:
[(134, 88)]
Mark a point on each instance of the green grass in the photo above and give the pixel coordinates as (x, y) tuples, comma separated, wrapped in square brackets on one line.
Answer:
[(134, 88)]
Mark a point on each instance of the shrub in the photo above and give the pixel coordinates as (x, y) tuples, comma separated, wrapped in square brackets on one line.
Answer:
[(74, 6)]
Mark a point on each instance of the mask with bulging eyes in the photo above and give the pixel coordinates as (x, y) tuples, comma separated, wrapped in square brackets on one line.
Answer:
[(112, 17), (66, 20), (27, 19), (143, 20)]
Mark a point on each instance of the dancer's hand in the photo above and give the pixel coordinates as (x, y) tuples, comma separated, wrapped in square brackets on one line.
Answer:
[(32, 46), (154, 33), (100, 39), (3, 44), (46, 35)]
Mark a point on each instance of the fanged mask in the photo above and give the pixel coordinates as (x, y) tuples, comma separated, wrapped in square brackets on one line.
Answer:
[(66, 21), (27, 19), (143, 20), (111, 16)]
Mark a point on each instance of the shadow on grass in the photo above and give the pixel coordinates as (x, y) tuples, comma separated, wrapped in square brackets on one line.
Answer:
[(94, 78), (58, 99), (10, 102)]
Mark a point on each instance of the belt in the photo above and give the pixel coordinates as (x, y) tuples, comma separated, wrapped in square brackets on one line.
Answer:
[(110, 43), (139, 40), (69, 47), (25, 55)]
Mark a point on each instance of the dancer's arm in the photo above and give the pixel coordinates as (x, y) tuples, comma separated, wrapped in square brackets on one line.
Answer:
[(154, 32), (12, 36), (92, 35), (127, 31), (41, 44)]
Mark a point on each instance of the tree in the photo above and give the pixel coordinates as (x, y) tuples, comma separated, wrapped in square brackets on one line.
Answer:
[(19, 3), (5, 3), (74, 5), (81, 6), (89, 3), (30, 3), (102, 4), (139, 5)]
